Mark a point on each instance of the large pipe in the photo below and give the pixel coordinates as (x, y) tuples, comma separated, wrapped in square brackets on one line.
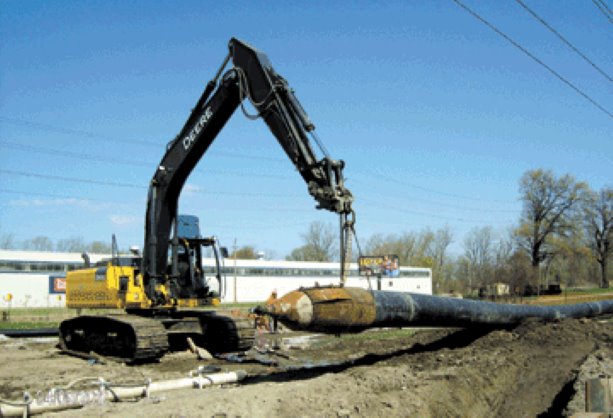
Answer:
[(347, 309), (63, 400)]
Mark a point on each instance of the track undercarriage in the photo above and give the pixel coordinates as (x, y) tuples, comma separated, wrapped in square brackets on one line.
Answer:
[(138, 338)]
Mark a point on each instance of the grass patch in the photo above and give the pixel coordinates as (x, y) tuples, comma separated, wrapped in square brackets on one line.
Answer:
[(369, 335), (28, 325), (21, 312), (591, 291), (380, 334), (238, 305)]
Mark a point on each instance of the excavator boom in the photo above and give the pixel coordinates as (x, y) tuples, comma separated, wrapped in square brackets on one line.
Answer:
[(252, 78)]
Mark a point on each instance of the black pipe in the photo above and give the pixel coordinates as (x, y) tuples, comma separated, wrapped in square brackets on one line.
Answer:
[(428, 310), (347, 309), (29, 333)]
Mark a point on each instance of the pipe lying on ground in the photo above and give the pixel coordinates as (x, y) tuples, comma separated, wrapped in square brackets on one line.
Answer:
[(60, 400), (347, 309), (30, 333)]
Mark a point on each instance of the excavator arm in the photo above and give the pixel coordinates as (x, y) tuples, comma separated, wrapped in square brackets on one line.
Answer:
[(252, 78)]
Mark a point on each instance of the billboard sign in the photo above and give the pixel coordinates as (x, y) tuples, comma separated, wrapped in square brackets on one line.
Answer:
[(379, 265)]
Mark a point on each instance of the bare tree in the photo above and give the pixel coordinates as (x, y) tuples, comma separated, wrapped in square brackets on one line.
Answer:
[(547, 202), (478, 251), (7, 241), (39, 243), (319, 244), (442, 239), (74, 245), (599, 228)]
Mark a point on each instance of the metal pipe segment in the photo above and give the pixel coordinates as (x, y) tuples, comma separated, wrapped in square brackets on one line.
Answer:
[(346, 309)]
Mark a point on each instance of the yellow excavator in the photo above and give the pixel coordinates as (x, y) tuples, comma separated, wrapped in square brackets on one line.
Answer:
[(162, 291)]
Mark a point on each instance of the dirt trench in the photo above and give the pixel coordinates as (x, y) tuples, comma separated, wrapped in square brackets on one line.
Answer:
[(535, 369)]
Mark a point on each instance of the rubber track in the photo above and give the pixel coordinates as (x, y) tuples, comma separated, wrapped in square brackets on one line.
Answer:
[(226, 333), (150, 338)]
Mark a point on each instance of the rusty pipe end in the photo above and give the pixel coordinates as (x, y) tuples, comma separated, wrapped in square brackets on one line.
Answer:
[(294, 309)]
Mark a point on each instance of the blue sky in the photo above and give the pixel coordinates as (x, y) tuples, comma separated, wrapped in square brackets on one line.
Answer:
[(436, 116)]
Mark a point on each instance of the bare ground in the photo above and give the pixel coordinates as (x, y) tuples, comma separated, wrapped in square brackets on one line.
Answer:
[(531, 370)]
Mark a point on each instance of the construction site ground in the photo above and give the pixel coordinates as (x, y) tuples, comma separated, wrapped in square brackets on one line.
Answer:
[(531, 370)]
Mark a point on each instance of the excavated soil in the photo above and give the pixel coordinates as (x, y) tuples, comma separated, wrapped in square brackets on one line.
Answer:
[(535, 369)]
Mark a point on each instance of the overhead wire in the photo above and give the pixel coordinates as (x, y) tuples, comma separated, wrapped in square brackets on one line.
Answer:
[(563, 39), (80, 133), (375, 203), (71, 179), (131, 162), (533, 57), (92, 135), (95, 157), (383, 205), (120, 161), (447, 205), (113, 184), (426, 189), (604, 9)]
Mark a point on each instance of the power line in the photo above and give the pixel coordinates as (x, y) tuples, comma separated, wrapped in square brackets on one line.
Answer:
[(92, 200), (383, 205), (602, 6), (75, 132), (92, 135), (114, 184), (425, 189), (55, 196), (72, 154), (563, 39), (119, 161), (452, 206), (267, 195), (529, 54), (132, 162), (143, 163), (71, 179)]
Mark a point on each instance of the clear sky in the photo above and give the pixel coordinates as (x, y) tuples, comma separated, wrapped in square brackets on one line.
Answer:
[(436, 116)]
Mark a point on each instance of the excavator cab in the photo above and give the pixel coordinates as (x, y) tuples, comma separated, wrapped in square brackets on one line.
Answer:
[(189, 284)]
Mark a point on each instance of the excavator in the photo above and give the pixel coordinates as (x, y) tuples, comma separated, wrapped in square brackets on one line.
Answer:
[(163, 293)]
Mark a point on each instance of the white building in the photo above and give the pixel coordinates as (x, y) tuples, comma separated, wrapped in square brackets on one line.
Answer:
[(31, 277)]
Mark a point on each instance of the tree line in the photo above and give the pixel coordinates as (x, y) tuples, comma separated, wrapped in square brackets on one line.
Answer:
[(44, 243), (564, 236)]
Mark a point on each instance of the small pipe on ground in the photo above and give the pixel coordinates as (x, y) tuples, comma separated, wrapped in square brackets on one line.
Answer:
[(63, 400)]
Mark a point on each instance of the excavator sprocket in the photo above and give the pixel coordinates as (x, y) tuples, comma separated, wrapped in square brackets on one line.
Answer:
[(126, 338)]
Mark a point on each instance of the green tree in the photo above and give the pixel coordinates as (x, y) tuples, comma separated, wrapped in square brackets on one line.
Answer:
[(548, 202), (99, 247), (246, 252), (319, 244)]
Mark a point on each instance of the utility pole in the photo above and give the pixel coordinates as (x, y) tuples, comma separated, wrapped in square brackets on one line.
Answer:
[(234, 248)]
